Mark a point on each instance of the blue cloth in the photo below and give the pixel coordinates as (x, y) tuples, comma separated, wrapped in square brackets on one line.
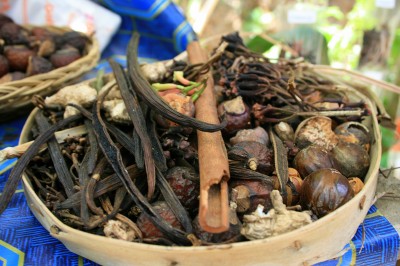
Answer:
[(164, 33)]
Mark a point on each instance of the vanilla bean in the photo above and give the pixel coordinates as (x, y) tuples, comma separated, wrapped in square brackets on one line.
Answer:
[(153, 100), (59, 163), (83, 174), (16, 173), (94, 147), (158, 153), (137, 150), (113, 155), (136, 114), (281, 160)]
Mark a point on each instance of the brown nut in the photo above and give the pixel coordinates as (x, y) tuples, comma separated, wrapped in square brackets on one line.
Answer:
[(237, 114), (354, 132), (316, 130), (293, 187), (18, 56), (38, 65), (13, 34), (4, 66), (312, 158), (350, 159), (64, 57), (257, 134), (324, 191)]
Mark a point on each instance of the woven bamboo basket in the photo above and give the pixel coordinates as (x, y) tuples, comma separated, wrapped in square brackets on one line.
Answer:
[(319, 241), (15, 96)]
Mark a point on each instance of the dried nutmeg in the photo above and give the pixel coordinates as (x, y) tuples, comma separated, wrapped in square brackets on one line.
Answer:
[(354, 132), (316, 130), (38, 65), (64, 57), (350, 159), (250, 193), (75, 39), (12, 33), (4, 66), (255, 155), (284, 131), (148, 229), (312, 158), (257, 134), (18, 56), (185, 183), (237, 114), (324, 191), (356, 184)]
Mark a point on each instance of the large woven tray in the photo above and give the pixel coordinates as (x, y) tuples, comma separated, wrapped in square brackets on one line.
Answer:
[(316, 242), (15, 96)]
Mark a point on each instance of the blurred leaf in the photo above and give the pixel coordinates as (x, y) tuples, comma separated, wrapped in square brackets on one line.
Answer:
[(259, 44)]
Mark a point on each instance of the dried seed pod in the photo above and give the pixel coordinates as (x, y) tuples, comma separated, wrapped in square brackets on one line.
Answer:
[(257, 134), (237, 114), (284, 131), (350, 159), (356, 184), (293, 187), (324, 191), (250, 193), (38, 65), (18, 56), (148, 229), (4, 66), (312, 158), (185, 183), (256, 156), (316, 130), (75, 39), (64, 57), (354, 132)]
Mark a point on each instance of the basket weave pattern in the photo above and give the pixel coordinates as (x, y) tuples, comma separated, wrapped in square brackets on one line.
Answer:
[(17, 95)]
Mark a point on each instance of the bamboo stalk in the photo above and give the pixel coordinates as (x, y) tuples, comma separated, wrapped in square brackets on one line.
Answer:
[(213, 159)]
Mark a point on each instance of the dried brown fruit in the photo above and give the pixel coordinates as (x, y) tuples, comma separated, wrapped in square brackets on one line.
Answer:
[(293, 187), (18, 57), (64, 57), (312, 158), (350, 159), (75, 39), (4, 66), (324, 191), (38, 65), (4, 19), (12, 34), (257, 134), (237, 113), (354, 132), (148, 229)]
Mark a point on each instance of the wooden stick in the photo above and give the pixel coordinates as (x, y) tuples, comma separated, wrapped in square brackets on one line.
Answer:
[(18, 151), (213, 159)]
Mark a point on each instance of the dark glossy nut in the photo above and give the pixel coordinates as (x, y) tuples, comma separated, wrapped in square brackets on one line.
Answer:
[(350, 159), (38, 65), (255, 155), (324, 191), (312, 158), (75, 39), (237, 114), (148, 229), (64, 57), (12, 34), (18, 57), (185, 183)]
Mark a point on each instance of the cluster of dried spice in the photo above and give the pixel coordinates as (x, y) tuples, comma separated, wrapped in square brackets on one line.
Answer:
[(285, 129)]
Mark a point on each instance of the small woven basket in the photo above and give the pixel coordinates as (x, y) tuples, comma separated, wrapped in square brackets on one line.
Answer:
[(15, 96)]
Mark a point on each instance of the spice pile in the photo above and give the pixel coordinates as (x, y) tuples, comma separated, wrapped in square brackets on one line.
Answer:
[(26, 52), (293, 137)]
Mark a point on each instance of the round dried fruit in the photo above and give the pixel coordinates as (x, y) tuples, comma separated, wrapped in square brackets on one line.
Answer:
[(350, 159), (312, 158)]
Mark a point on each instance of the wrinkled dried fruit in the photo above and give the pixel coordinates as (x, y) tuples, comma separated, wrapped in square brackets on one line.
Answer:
[(237, 114), (312, 158), (324, 191), (64, 57), (350, 159), (255, 155), (18, 57), (316, 130), (185, 183), (257, 134), (38, 65), (354, 132), (148, 229)]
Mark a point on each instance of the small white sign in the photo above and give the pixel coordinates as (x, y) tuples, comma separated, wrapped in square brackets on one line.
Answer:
[(390, 4), (301, 16)]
